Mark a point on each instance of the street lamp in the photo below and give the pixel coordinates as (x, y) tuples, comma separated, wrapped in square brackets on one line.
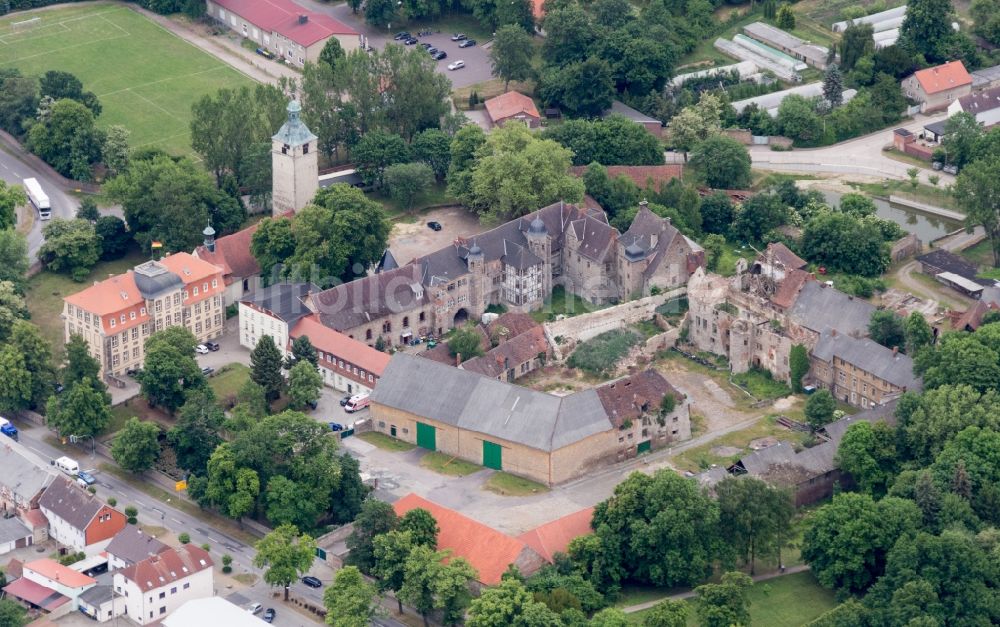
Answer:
[(93, 444)]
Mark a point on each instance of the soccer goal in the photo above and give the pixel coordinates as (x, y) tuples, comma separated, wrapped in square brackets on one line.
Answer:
[(25, 25)]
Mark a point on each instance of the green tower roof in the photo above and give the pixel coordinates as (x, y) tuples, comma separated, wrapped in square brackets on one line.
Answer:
[(294, 132)]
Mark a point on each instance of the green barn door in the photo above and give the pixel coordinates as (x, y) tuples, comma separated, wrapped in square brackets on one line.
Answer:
[(426, 437), (644, 447), (492, 455)]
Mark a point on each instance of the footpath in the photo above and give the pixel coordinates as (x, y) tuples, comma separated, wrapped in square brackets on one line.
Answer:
[(690, 593)]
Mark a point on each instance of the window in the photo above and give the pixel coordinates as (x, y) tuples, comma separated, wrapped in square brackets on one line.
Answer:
[(142, 311), (187, 585), (163, 595), (173, 590), (135, 333), (123, 318), (177, 299), (131, 315), (163, 609), (159, 306), (215, 282), (421, 316), (195, 290), (305, 147), (135, 353), (114, 341), (204, 286), (112, 323), (368, 334), (406, 321)]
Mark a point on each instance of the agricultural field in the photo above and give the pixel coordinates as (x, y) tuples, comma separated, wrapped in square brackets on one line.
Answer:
[(145, 77)]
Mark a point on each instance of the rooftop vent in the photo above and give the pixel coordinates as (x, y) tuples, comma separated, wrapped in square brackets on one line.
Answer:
[(303, 18)]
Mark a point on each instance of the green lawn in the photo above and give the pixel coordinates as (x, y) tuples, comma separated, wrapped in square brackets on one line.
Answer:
[(386, 443), (448, 465), (228, 380), (507, 484), (47, 289), (761, 384), (146, 77), (436, 195), (981, 254), (938, 196)]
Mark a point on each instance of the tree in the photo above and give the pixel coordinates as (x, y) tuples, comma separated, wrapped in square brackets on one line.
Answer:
[(420, 573), (839, 241), (857, 205), (754, 518), (304, 384), (464, 148), (715, 246), (15, 380), (244, 497), (11, 197), (390, 551), (696, 123), (380, 13), (13, 258), (18, 100), (12, 614), (465, 342), (433, 147), (71, 247), (614, 140), (265, 367), (79, 362), (81, 410), (961, 359), (113, 236), (196, 434), (567, 36), (57, 85), (88, 210), (926, 26), (723, 162), (376, 518), (716, 213), (785, 18), (68, 139), (350, 601), (422, 527), (868, 453), (406, 181), (726, 603), (377, 151), (963, 135), (332, 53), (302, 350), (857, 42), (819, 409), (27, 341), (666, 614), (511, 55), (833, 86), (798, 366), (116, 150), (452, 595), (941, 414), (168, 373), (136, 447), (171, 202), (285, 554), (516, 172), (797, 119), (848, 539), (581, 89), (977, 191), (510, 605), (886, 328)]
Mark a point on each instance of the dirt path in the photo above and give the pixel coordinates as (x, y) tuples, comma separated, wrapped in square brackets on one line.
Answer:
[(708, 398)]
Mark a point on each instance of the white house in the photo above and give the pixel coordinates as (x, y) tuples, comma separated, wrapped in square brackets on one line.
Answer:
[(159, 584), (213, 611), (131, 545), (346, 364), (984, 105), (273, 311), (48, 585), (78, 519)]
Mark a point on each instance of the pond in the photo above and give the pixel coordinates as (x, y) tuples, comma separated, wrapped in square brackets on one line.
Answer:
[(926, 227)]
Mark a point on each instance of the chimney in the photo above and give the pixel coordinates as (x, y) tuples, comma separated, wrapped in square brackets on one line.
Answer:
[(303, 18)]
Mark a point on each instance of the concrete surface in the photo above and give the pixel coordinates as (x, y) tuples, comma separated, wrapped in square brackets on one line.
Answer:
[(408, 241)]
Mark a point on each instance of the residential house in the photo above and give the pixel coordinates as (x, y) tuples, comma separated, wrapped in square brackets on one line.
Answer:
[(983, 105), (935, 88), (545, 438), (651, 124), (347, 365), (100, 602), (211, 611), (286, 29), (23, 478), (78, 519), (131, 545), (117, 315), (859, 371), (161, 583), (273, 310), (240, 270), (512, 105), (512, 359), (517, 265), (50, 587)]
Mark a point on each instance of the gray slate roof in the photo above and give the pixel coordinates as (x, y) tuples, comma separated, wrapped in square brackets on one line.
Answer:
[(22, 472), (820, 308), (131, 545), (620, 108), (869, 356), (153, 280), (12, 529), (71, 503), (477, 403), (284, 300)]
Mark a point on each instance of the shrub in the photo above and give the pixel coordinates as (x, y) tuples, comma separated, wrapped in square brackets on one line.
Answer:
[(206, 547), (227, 563), (601, 354), (184, 538), (112, 501), (91, 489)]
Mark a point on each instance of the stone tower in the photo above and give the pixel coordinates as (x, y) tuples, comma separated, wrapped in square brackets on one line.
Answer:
[(476, 262), (540, 244), (295, 164)]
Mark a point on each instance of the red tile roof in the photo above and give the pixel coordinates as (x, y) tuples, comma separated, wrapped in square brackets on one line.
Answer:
[(114, 295), (510, 104), (282, 17), (554, 537), (642, 175), (629, 398), (52, 569), (329, 341), (232, 254), (35, 519), (167, 567), (943, 77), (489, 551), (36, 594)]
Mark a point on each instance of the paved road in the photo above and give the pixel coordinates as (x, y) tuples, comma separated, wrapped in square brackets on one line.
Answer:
[(64, 205)]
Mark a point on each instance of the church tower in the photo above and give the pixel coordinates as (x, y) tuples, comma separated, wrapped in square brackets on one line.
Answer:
[(295, 164)]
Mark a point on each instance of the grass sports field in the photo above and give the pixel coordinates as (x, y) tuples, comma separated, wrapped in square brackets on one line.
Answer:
[(145, 76)]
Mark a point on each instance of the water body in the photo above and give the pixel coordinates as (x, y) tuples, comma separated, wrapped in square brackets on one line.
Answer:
[(926, 227)]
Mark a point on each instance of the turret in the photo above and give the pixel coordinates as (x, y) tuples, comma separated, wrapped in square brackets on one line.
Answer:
[(209, 242)]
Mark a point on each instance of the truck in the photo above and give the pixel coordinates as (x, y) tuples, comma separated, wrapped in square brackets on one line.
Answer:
[(8, 429), (38, 198)]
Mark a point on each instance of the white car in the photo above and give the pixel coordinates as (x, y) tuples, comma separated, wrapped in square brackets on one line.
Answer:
[(456, 65), (201, 349), (255, 608)]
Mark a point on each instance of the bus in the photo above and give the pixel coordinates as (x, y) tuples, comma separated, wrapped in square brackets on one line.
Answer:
[(38, 198)]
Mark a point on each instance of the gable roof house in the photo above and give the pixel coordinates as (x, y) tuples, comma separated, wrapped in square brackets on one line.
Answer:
[(512, 105), (273, 310), (345, 364), (512, 359), (23, 479), (47, 585), (78, 519), (545, 438), (651, 124), (983, 105), (860, 371), (935, 88), (554, 536), (131, 545), (240, 270), (161, 583)]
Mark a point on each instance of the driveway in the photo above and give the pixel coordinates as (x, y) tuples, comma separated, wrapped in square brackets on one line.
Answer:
[(408, 241), (862, 156)]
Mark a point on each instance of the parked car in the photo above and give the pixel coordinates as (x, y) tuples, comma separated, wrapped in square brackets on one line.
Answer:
[(937, 165), (60, 387), (85, 478), (401, 36), (456, 65), (457, 37), (441, 54), (344, 400), (468, 43), (426, 45), (312, 582), (255, 608), (336, 426), (432, 51), (264, 52), (434, 225), (357, 403), (269, 614), (950, 169), (207, 370), (313, 404), (201, 349), (411, 41), (212, 346)]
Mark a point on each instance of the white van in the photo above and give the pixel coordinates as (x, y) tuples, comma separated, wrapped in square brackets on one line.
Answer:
[(357, 402), (68, 466)]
